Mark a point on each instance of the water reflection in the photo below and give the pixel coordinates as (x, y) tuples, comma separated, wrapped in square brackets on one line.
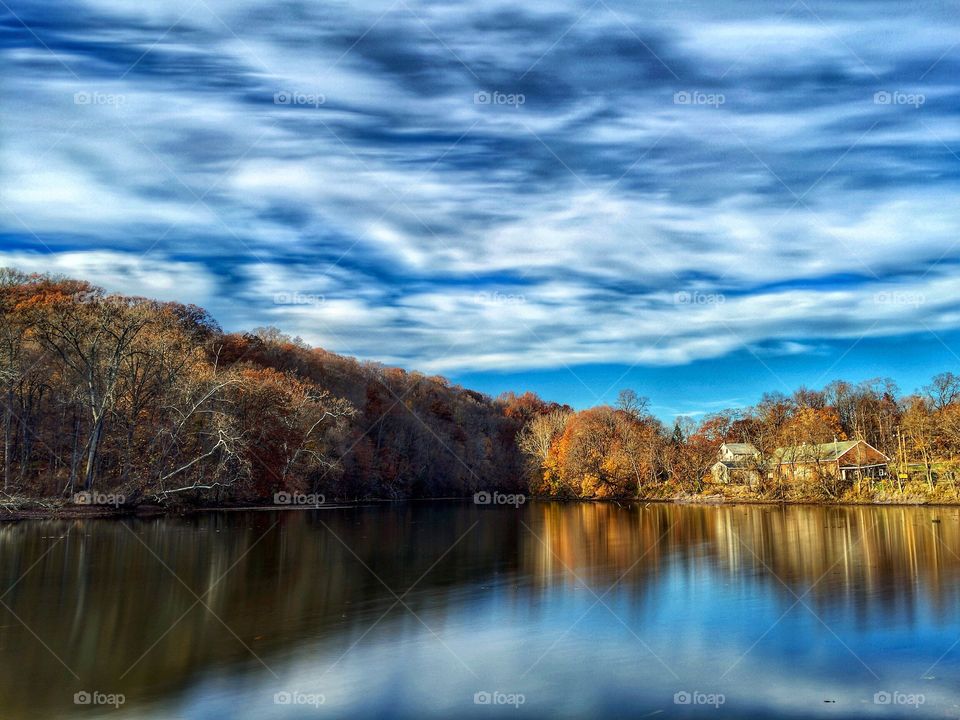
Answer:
[(412, 609)]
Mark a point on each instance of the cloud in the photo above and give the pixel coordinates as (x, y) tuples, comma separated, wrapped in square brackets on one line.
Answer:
[(123, 273), (486, 187)]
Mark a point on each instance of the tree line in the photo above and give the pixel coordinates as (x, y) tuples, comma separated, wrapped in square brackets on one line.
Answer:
[(153, 401), (624, 451)]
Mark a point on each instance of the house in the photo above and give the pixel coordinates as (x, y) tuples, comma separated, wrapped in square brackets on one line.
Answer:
[(737, 463), (846, 460), (739, 453)]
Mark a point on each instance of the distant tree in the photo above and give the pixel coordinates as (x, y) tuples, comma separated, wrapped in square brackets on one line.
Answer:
[(920, 433), (678, 438), (806, 398), (943, 390), (523, 407), (699, 451), (633, 404), (812, 425), (539, 434), (602, 453)]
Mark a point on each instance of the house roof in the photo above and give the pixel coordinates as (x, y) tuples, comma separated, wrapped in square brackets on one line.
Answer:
[(741, 448), (824, 452)]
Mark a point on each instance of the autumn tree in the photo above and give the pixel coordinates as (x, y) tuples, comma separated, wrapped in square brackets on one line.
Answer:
[(920, 433), (12, 332), (698, 451), (812, 425), (536, 439), (93, 336), (602, 453)]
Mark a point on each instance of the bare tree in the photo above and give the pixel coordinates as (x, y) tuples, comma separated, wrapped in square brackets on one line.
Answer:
[(93, 338), (537, 435), (637, 406), (943, 390)]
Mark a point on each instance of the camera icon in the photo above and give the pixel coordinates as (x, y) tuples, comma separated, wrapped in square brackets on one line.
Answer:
[(282, 498), (281, 98), (882, 98), (482, 98), (82, 698), (681, 98), (882, 698), (482, 698), (282, 698), (682, 698), (482, 498)]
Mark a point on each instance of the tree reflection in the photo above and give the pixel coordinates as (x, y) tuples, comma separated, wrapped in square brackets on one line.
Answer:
[(149, 607)]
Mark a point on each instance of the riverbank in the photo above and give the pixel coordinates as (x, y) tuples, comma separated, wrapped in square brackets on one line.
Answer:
[(913, 493), (22, 508), (15, 509)]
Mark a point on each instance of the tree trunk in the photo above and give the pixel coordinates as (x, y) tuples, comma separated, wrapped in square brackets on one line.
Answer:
[(7, 439), (25, 449), (92, 453), (74, 453)]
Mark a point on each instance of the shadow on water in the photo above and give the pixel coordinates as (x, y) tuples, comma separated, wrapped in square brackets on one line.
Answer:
[(418, 609)]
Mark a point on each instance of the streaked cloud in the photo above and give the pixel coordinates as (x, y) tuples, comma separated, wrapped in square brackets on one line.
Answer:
[(469, 187)]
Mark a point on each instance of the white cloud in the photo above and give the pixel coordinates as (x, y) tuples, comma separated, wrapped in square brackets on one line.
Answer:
[(399, 199), (145, 276)]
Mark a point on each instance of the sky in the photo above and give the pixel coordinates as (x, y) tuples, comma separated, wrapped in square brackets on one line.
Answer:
[(699, 200)]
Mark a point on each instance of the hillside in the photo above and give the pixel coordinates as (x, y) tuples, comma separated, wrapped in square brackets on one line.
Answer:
[(152, 400)]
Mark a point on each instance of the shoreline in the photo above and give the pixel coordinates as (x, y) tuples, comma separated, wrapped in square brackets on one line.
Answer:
[(67, 511)]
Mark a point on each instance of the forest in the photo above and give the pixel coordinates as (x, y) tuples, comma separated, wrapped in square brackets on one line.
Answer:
[(153, 402), (625, 452)]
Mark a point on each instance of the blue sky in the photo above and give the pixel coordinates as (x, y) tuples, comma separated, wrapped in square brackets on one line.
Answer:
[(700, 200)]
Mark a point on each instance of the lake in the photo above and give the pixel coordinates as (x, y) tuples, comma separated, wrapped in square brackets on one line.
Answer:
[(450, 609)]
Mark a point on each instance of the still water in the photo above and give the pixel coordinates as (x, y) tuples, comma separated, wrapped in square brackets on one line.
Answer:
[(449, 609)]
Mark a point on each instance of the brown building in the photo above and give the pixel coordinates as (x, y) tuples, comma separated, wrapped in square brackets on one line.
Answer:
[(846, 460)]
